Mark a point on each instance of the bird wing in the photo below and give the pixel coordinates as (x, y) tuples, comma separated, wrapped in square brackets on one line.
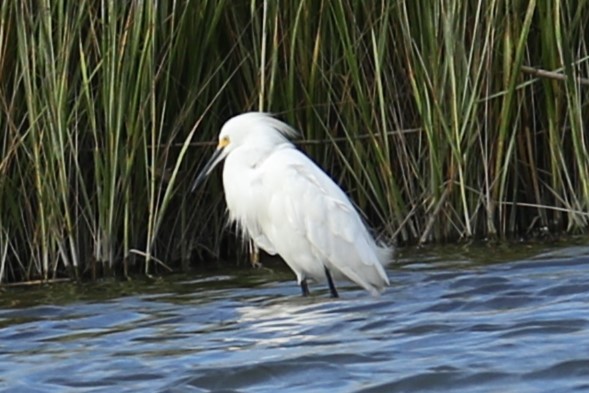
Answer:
[(312, 205)]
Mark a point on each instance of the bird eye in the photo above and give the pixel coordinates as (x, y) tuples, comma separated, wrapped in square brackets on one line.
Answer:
[(223, 142)]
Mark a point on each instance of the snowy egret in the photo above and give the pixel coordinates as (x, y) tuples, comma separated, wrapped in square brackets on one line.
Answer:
[(279, 198)]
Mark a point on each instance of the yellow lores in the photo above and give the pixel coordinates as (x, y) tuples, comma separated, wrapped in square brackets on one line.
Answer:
[(288, 206)]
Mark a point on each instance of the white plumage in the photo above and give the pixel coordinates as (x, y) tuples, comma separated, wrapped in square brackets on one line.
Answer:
[(284, 202)]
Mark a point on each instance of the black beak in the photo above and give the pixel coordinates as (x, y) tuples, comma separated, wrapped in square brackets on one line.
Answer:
[(209, 166)]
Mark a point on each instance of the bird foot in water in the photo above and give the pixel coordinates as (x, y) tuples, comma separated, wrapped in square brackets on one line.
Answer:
[(332, 289), (305, 288)]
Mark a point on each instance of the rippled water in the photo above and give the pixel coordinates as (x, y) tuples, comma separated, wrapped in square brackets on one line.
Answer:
[(455, 319)]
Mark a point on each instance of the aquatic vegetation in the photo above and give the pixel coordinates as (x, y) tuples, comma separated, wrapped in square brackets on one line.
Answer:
[(454, 120)]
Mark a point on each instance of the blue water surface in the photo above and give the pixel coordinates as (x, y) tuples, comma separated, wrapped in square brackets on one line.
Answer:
[(461, 319)]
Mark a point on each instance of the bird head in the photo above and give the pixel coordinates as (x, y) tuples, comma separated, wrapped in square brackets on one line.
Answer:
[(252, 129)]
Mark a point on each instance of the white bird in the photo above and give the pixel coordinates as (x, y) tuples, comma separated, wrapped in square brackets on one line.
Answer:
[(279, 198)]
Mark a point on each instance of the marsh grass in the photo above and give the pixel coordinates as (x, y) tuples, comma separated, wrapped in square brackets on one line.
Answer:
[(446, 120)]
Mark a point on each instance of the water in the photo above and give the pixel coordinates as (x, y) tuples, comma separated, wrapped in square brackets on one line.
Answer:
[(455, 319)]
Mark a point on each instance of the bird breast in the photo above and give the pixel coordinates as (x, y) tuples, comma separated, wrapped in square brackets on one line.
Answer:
[(241, 184)]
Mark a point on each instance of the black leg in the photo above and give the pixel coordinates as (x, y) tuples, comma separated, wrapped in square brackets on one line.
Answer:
[(331, 284), (305, 288)]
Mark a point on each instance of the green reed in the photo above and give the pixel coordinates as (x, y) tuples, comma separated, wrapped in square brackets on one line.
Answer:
[(444, 120)]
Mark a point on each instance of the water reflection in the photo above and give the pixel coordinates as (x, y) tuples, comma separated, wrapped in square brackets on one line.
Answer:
[(448, 323)]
